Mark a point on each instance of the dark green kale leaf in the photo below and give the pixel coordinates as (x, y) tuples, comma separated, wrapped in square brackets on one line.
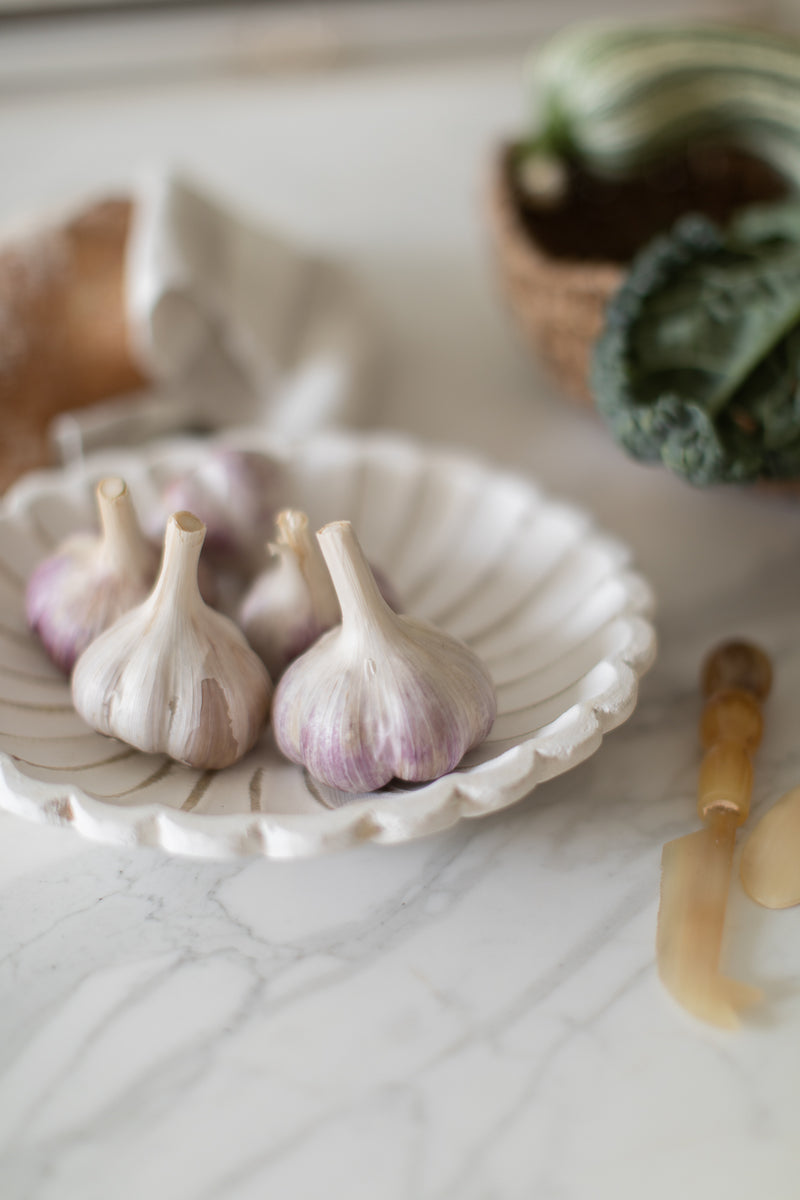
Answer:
[(698, 364)]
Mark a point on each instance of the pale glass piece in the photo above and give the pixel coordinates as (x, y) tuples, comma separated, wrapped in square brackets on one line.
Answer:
[(695, 878), (770, 865)]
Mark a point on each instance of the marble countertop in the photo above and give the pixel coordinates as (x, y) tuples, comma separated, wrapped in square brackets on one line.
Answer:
[(475, 1016)]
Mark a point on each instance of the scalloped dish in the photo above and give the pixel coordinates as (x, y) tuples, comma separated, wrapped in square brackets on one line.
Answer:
[(549, 603)]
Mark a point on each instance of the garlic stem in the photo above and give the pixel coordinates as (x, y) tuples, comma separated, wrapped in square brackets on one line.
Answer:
[(176, 587), (292, 527), (124, 546), (364, 609), (293, 531)]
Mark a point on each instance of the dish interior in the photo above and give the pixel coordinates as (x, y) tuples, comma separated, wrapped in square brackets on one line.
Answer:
[(544, 599)]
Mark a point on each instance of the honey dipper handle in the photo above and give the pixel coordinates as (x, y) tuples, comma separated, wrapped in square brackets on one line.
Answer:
[(735, 678), (737, 664)]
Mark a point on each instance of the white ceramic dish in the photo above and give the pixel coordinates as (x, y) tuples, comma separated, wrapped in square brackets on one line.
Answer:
[(549, 602)]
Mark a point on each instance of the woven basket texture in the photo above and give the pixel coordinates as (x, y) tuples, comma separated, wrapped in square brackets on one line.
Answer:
[(559, 266)]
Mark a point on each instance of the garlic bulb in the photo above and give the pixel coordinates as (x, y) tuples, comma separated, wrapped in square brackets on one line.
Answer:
[(235, 494), (381, 696), (172, 675), (92, 579), (293, 601)]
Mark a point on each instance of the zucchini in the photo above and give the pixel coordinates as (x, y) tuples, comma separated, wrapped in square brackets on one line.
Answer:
[(615, 98)]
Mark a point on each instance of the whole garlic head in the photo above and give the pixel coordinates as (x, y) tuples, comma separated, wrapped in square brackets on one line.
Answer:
[(292, 602), (92, 579), (380, 696), (234, 493), (173, 676)]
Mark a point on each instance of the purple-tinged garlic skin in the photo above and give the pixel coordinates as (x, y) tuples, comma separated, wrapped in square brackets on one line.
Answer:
[(381, 696), (235, 493), (292, 602), (173, 676), (91, 580)]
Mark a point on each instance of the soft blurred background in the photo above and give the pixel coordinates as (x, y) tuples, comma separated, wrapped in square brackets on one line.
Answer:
[(363, 131), (49, 42)]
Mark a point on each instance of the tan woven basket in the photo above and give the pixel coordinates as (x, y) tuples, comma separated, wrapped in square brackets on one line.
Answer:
[(558, 267)]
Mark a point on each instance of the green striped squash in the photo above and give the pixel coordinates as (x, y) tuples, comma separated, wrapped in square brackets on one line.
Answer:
[(618, 97)]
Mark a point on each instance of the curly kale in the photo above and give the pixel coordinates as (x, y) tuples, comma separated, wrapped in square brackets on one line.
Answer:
[(698, 364)]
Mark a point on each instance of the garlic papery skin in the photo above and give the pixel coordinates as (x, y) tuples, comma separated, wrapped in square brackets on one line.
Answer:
[(235, 493), (381, 696), (173, 676), (92, 579), (292, 602)]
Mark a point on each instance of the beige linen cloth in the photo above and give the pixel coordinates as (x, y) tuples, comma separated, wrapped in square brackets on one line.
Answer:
[(234, 324)]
